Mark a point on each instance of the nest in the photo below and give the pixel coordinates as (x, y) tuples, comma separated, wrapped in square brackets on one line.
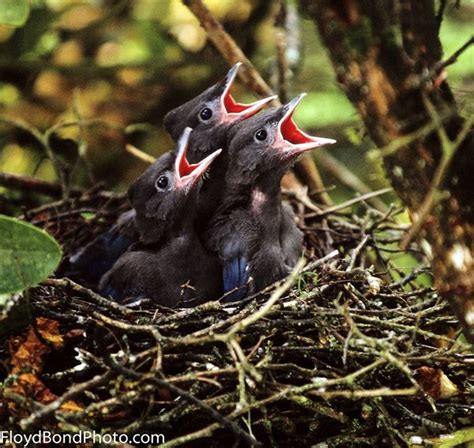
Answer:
[(348, 351)]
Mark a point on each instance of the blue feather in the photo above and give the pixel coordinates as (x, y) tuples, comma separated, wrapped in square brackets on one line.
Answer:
[(235, 275), (93, 261)]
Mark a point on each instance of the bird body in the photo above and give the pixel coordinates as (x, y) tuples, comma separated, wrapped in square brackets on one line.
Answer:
[(169, 266), (186, 241), (253, 234), (209, 114)]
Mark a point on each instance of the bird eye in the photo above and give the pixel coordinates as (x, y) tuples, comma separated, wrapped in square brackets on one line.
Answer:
[(161, 183), (261, 135), (205, 114)]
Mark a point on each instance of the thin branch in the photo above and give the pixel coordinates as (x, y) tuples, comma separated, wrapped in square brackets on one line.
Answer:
[(350, 203), (45, 411), (440, 13), (139, 154), (453, 58), (435, 195), (33, 185), (337, 169)]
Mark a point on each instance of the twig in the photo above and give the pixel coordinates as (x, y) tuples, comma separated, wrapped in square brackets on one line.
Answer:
[(356, 252), (350, 203), (139, 154), (440, 13), (438, 67), (337, 169), (65, 282), (281, 48), (239, 326), (33, 185), (45, 411), (188, 397), (228, 48)]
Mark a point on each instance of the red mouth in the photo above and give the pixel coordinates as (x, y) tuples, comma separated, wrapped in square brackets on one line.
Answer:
[(295, 141), (185, 168), (231, 106), (291, 133), (188, 174), (232, 109)]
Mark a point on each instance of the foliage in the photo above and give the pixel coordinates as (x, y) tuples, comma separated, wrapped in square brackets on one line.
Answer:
[(27, 255), (128, 62), (14, 12)]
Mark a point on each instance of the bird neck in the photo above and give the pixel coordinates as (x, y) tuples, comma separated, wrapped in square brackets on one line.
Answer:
[(266, 193), (154, 232)]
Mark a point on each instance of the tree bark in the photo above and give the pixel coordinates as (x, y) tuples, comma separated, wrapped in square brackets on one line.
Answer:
[(387, 60)]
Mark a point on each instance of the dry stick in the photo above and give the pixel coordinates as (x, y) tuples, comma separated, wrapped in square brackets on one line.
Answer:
[(139, 154), (31, 184), (285, 393), (97, 298), (347, 177), (277, 294), (281, 42), (365, 393), (223, 421), (232, 53), (49, 409), (350, 202), (453, 58)]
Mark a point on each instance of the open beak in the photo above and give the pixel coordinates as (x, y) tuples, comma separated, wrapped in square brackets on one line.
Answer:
[(293, 140), (188, 174), (233, 110)]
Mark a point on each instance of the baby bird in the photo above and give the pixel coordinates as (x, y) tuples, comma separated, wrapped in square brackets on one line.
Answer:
[(252, 232), (209, 114), (172, 267)]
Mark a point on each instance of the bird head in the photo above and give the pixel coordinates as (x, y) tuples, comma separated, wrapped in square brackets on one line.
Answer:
[(210, 112), (271, 140), (163, 194)]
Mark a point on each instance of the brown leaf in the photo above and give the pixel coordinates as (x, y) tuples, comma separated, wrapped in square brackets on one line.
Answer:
[(435, 383), (27, 351)]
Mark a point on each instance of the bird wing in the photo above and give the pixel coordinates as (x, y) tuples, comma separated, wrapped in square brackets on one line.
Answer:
[(90, 263), (235, 275)]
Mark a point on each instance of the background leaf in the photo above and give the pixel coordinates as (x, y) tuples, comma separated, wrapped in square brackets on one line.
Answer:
[(27, 255), (14, 12)]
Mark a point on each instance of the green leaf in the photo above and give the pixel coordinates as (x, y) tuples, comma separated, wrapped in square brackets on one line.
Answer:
[(27, 255), (14, 12)]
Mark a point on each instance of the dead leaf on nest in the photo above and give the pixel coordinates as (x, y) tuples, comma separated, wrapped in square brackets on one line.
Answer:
[(27, 350), (30, 386), (71, 406), (435, 383)]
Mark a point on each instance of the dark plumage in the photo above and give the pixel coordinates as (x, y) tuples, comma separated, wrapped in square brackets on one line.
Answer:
[(210, 114), (172, 267), (253, 233), (90, 264)]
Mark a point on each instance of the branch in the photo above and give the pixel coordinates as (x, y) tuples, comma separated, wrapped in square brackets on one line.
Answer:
[(438, 67), (32, 185), (347, 177)]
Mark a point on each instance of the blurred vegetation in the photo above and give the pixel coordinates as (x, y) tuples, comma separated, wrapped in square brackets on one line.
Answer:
[(119, 66)]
